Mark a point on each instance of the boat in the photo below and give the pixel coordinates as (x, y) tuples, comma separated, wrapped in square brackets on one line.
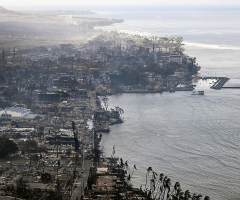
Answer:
[(198, 93)]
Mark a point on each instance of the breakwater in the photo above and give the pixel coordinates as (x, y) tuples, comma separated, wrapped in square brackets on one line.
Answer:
[(220, 83), (231, 87)]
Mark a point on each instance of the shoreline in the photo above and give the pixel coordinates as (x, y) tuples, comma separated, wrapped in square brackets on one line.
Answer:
[(103, 168), (221, 81)]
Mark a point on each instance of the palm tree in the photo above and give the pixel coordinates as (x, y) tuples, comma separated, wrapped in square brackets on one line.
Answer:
[(113, 152), (131, 175)]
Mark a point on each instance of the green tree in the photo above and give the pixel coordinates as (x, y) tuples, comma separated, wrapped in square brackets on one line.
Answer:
[(40, 132), (28, 145), (7, 147)]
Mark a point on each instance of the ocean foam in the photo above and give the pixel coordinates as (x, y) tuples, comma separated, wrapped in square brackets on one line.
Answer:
[(212, 46)]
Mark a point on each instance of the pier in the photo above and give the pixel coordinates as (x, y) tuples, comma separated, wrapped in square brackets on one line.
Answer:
[(220, 83), (231, 87)]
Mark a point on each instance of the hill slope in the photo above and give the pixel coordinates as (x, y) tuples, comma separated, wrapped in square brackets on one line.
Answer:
[(2, 8)]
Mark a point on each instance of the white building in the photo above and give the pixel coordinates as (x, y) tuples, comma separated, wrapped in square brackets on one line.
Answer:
[(14, 112), (6, 115), (175, 58)]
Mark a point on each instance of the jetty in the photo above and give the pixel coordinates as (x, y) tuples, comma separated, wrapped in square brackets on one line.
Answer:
[(220, 83), (231, 87)]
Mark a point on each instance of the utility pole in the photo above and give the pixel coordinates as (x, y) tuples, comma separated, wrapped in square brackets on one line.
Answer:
[(83, 158), (57, 147)]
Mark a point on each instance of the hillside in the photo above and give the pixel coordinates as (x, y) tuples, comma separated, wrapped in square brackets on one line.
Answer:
[(34, 29), (2, 8)]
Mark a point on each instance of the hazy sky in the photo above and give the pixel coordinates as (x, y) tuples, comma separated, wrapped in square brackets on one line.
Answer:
[(112, 2)]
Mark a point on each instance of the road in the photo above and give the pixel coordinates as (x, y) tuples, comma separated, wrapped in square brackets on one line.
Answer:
[(81, 182)]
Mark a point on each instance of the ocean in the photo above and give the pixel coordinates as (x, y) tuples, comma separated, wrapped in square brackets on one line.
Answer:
[(192, 139)]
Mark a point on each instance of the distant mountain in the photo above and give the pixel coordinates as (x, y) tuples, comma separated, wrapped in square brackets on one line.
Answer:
[(2, 8), (58, 12), (9, 12)]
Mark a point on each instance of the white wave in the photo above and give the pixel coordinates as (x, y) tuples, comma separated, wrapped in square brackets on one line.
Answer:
[(212, 46), (102, 13), (133, 32)]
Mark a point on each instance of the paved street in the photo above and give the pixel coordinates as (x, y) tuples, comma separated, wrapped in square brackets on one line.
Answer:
[(81, 182)]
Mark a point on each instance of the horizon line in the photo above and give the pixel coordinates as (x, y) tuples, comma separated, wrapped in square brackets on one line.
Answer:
[(222, 6)]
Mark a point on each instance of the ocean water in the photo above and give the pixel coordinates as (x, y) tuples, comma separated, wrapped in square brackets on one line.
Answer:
[(212, 35), (192, 139)]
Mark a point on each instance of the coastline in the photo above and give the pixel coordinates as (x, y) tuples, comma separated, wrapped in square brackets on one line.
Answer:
[(219, 84), (46, 29), (197, 110), (104, 168)]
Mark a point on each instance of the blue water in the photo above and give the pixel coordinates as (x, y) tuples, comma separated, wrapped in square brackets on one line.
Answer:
[(192, 139)]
